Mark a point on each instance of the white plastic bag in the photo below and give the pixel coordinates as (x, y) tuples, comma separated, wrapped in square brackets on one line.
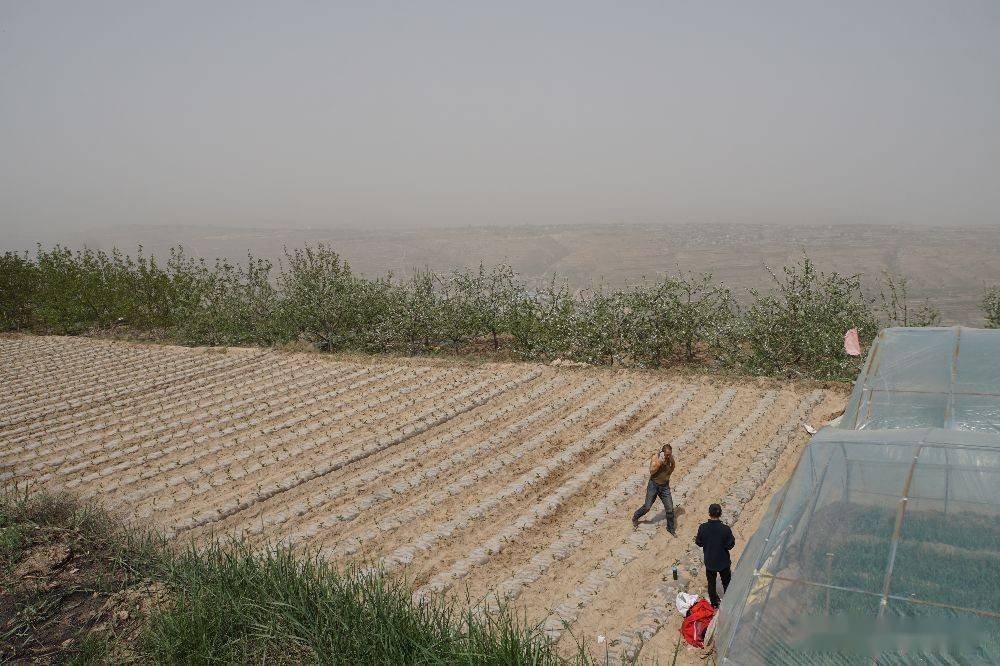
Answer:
[(685, 601)]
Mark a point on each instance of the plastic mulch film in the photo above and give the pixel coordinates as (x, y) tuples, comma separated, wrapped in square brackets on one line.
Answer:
[(883, 548), (929, 378)]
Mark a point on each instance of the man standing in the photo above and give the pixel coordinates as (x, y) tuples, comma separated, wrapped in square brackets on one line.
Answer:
[(716, 540), (661, 466)]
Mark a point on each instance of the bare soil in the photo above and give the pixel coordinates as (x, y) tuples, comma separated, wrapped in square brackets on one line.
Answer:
[(463, 475)]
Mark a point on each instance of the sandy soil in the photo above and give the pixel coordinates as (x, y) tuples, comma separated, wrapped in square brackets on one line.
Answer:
[(492, 482)]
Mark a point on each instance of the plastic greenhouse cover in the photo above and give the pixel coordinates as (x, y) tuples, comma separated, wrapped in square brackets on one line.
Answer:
[(884, 547), (929, 377)]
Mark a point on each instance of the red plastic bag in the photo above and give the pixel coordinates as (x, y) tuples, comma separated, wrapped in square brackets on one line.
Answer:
[(696, 623)]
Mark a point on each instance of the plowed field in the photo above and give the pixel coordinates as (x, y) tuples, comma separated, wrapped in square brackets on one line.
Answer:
[(505, 482)]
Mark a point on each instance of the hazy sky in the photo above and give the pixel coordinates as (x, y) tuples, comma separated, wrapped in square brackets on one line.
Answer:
[(290, 114)]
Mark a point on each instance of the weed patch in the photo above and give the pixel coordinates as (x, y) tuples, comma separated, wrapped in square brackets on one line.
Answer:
[(81, 587)]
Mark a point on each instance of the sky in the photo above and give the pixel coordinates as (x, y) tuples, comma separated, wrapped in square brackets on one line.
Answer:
[(342, 115)]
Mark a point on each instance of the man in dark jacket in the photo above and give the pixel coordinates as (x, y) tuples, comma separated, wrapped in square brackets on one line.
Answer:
[(716, 540)]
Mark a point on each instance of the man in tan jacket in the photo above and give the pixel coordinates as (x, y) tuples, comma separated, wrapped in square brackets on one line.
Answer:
[(661, 466)]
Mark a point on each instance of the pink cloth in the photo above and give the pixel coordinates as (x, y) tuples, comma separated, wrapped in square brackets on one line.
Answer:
[(852, 346)]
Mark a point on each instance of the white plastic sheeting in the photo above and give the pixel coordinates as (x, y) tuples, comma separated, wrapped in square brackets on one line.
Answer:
[(884, 547), (929, 378)]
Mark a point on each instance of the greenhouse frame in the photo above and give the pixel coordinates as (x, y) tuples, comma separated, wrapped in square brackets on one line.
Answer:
[(884, 546)]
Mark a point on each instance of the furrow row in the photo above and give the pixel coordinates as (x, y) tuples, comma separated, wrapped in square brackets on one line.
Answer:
[(209, 425), (404, 555), (124, 384), (33, 381), (648, 623), (96, 375), (38, 372), (414, 481), (215, 431), (552, 502), (173, 421), (463, 402), (276, 434), (568, 611), (350, 546), (608, 508), (125, 414), (393, 376), (241, 422)]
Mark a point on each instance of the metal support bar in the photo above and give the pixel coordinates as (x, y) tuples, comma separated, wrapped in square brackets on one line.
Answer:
[(894, 597), (949, 410), (896, 531), (929, 465), (925, 497), (947, 481)]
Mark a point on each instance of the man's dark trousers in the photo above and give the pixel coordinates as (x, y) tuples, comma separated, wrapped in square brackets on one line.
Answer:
[(654, 490), (726, 574)]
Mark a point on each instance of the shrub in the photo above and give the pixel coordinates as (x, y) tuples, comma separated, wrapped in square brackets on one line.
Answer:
[(990, 306), (320, 296), (895, 305), (798, 329), (795, 329), (542, 321), (230, 304), (18, 286)]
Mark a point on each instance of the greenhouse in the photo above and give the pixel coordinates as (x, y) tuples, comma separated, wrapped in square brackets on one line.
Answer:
[(929, 378), (884, 547)]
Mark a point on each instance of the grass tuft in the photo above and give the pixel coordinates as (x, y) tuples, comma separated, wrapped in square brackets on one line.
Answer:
[(240, 605), (225, 603)]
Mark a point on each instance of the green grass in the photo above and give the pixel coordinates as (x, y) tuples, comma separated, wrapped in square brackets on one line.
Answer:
[(233, 604), (12, 539), (27, 519), (91, 650), (237, 605)]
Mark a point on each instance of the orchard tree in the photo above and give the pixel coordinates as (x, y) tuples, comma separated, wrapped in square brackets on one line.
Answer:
[(541, 322), (485, 300), (420, 312), (990, 306), (649, 322), (797, 329), (896, 308), (704, 312), (19, 281), (598, 327), (321, 298)]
